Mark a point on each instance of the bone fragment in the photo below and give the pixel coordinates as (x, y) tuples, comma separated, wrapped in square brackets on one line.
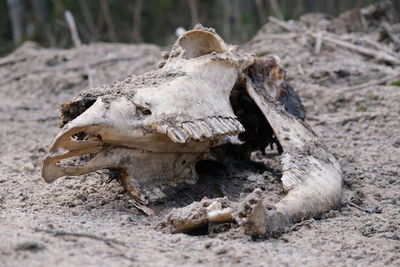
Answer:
[(311, 174), (198, 214), (251, 214)]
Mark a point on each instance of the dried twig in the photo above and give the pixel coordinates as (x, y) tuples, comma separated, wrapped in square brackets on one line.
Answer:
[(296, 226), (75, 37), (18, 76), (391, 35), (72, 27), (356, 206), (280, 23), (351, 204), (301, 70), (108, 241), (318, 42), (376, 54), (379, 46), (370, 83), (11, 60)]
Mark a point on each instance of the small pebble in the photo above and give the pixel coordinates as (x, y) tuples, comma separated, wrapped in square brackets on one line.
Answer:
[(394, 237), (221, 251), (28, 167), (30, 246), (252, 178)]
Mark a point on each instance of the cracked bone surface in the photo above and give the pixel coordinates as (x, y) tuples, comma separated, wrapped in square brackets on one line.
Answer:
[(151, 130)]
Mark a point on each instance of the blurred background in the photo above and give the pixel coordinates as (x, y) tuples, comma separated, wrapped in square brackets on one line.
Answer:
[(150, 21)]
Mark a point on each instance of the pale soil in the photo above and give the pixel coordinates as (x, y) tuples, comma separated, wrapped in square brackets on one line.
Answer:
[(361, 127)]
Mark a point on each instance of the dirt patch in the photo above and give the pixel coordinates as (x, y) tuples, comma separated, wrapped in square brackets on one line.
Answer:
[(360, 125)]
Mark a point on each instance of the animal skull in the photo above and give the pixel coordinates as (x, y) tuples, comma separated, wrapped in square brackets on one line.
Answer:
[(151, 130)]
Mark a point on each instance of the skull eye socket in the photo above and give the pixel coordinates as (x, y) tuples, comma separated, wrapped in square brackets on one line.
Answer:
[(146, 112), (143, 111)]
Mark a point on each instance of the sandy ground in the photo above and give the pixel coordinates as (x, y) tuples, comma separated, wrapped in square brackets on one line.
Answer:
[(361, 126)]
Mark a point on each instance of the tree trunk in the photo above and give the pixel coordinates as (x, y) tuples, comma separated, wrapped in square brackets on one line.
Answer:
[(261, 11), (194, 14), (276, 9), (17, 10), (41, 11), (108, 18), (89, 20), (137, 21)]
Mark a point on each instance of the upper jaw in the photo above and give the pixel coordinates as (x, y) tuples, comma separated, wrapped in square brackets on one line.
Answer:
[(188, 113), (114, 125)]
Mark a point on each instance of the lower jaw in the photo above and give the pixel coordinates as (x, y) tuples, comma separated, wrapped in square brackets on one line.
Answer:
[(145, 173)]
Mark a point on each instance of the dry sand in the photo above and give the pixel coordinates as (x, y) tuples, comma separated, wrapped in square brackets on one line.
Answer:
[(361, 126)]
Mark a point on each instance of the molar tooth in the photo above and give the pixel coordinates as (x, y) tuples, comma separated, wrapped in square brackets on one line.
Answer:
[(215, 125), (192, 130), (237, 124), (223, 125), (241, 128), (230, 125), (204, 128), (177, 135), (162, 129)]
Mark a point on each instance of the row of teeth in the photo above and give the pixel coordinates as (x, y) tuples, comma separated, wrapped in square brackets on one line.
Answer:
[(202, 129)]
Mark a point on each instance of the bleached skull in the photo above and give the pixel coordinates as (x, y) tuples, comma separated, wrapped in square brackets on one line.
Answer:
[(151, 130), (154, 127)]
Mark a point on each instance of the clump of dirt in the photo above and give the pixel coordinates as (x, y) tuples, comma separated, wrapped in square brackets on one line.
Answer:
[(351, 100)]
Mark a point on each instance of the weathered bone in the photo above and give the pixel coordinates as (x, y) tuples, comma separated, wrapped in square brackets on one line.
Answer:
[(155, 117), (311, 174), (151, 130), (198, 214)]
